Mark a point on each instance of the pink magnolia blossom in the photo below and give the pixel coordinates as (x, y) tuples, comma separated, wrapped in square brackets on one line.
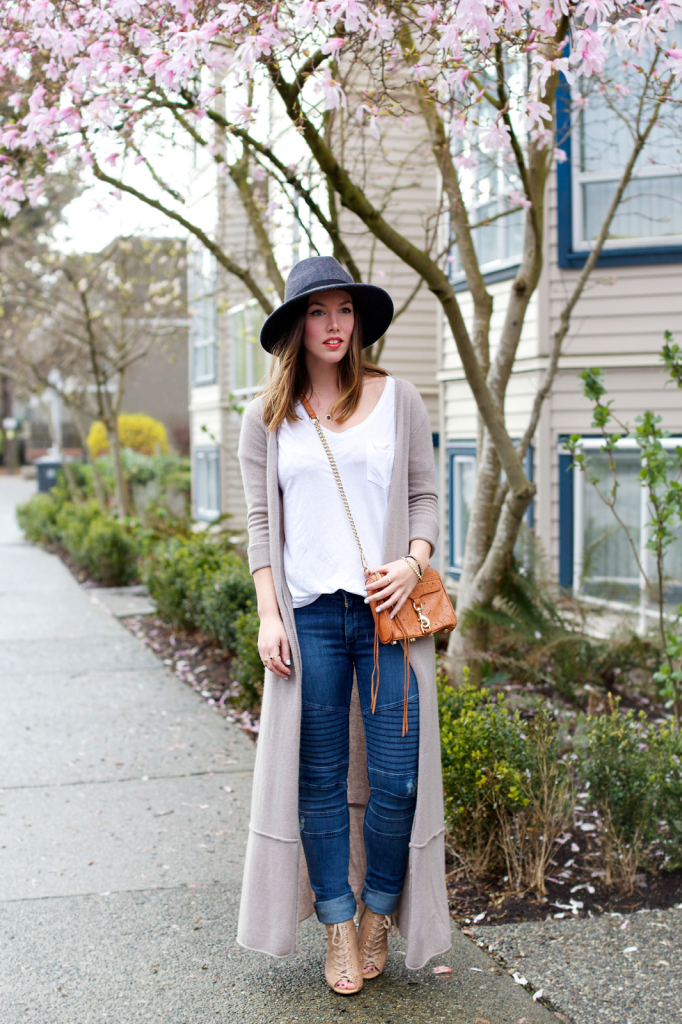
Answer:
[(533, 112), (382, 27), (674, 62), (334, 96), (429, 16), (494, 137), (332, 46), (519, 199), (372, 111), (589, 54)]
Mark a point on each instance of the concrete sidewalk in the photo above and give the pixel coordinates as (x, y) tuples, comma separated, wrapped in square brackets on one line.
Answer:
[(124, 805)]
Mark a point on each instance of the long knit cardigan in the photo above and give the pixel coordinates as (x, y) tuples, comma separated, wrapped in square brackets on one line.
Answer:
[(276, 892)]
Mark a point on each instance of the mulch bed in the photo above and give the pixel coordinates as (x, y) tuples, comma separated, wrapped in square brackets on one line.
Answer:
[(575, 888)]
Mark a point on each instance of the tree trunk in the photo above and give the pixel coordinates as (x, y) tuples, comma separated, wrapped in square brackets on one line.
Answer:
[(96, 476), (74, 490), (120, 484)]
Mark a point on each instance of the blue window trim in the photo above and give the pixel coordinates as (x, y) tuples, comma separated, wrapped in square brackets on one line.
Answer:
[(454, 448), (205, 449), (505, 274), (569, 259), (565, 515), (465, 447)]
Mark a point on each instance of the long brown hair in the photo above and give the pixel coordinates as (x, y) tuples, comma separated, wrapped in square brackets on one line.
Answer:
[(289, 381)]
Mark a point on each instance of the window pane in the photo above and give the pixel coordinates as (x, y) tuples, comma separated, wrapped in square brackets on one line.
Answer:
[(255, 322), (486, 238), (609, 566), (212, 482), (202, 294), (207, 484), (650, 207), (465, 482), (503, 239), (248, 358), (239, 360)]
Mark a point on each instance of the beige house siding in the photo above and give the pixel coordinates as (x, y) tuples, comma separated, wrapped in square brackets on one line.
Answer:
[(618, 325)]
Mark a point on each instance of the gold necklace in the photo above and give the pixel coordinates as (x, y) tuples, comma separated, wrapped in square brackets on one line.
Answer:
[(327, 416)]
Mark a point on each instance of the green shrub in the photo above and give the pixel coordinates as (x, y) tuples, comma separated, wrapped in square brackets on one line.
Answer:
[(634, 771), (199, 582), (73, 523), (110, 553), (484, 759), (99, 544), (619, 764), (508, 792), (229, 591), (177, 576), (669, 749), (38, 519), (248, 668)]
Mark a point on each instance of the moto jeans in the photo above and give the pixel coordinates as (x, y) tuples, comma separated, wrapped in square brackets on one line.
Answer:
[(336, 636)]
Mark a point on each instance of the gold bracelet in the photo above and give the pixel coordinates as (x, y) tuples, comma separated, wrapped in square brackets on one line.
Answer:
[(421, 567), (415, 571)]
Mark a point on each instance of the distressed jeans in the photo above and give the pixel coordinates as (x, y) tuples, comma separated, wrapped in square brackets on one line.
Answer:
[(336, 635)]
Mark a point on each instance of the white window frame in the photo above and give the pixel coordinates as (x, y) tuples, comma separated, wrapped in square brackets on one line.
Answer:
[(499, 225), (458, 534), (580, 178), (250, 390), (579, 484), (200, 341), (211, 455)]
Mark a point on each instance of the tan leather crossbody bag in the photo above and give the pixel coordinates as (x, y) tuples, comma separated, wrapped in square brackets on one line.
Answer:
[(427, 610)]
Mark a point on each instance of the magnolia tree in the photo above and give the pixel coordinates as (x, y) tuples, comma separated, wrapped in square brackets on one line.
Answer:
[(303, 99)]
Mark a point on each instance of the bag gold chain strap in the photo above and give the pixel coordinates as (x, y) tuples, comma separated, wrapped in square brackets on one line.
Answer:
[(344, 499), (407, 625)]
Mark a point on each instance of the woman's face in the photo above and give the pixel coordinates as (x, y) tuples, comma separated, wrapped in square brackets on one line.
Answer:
[(328, 325)]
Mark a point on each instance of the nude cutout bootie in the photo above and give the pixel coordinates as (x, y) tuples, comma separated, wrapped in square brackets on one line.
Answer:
[(342, 970), (373, 943)]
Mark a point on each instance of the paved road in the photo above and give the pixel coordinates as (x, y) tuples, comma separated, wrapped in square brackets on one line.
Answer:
[(123, 818)]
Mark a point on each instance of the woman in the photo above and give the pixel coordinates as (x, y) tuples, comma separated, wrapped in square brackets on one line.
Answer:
[(345, 807)]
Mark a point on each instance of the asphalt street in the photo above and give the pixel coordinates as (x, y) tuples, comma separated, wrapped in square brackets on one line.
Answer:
[(123, 820)]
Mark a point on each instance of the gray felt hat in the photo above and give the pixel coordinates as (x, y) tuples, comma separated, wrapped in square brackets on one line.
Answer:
[(374, 305)]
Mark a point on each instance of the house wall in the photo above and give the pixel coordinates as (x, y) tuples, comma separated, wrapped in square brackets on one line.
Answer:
[(617, 325), (158, 386)]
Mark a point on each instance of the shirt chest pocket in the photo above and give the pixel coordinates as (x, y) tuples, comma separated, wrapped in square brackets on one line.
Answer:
[(380, 459)]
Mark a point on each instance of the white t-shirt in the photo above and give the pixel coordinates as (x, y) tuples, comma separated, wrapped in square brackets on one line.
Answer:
[(320, 552)]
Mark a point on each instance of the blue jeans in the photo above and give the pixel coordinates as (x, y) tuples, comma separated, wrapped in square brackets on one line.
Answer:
[(335, 635)]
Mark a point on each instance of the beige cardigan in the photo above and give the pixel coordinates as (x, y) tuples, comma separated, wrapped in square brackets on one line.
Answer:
[(276, 892)]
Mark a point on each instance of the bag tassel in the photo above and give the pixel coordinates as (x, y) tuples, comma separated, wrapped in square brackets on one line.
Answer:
[(375, 672)]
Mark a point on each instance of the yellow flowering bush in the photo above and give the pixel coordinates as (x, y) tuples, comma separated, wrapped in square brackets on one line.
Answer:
[(138, 431)]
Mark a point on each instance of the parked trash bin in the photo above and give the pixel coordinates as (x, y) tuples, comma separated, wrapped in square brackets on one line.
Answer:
[(47, 466)]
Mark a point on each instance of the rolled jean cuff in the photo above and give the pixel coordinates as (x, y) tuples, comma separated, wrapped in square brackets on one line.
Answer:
[(380, 902), (336, 911)]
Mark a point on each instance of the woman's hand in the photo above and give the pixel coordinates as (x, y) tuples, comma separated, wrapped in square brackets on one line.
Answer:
[(393, 589), (273, 645)]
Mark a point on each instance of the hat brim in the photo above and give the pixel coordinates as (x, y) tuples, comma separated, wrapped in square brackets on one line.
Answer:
[(374, 305)]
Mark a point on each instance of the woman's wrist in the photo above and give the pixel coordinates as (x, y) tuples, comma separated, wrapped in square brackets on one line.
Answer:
[(269, 615), (414, 565), (421, 551)]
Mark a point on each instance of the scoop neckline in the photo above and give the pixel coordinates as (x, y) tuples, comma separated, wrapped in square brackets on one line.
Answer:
[(341, 433)]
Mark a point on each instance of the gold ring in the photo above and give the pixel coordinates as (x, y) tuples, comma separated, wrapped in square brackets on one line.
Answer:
[(388, 577)]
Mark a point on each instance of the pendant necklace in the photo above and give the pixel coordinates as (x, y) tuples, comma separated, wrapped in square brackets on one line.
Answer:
[(327, 415)]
